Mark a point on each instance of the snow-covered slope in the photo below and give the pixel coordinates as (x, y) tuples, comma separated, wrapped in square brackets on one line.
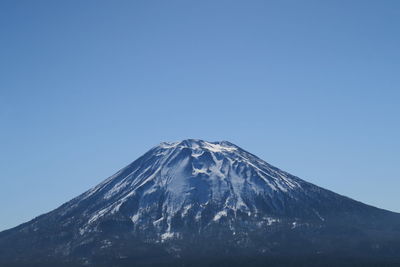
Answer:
[(190, 174)]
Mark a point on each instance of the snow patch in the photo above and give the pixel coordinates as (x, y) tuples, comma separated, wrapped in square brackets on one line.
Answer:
[(135, 218), (270, 220), (218, 147), (168, 145), (219, 215), (167, 235)]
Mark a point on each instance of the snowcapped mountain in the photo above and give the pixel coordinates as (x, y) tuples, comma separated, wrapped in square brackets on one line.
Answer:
[(202, 200)]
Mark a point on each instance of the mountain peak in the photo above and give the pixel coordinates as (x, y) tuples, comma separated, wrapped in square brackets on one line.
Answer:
[(198, 144)]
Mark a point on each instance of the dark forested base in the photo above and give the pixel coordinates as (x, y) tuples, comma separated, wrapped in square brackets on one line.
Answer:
[(311, 261)]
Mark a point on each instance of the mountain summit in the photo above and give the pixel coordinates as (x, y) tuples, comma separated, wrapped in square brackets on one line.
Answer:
[(198, 202)]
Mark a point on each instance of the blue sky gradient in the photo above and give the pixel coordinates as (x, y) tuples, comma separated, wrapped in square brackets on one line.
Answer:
[(86, 87)]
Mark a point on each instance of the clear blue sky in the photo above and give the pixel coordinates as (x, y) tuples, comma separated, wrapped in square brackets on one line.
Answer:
[(86, 87)]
